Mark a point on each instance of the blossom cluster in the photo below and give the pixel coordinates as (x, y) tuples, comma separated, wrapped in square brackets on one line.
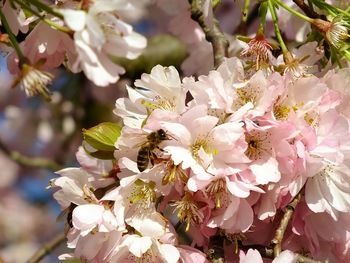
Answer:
[(82, 36), (216, 158)]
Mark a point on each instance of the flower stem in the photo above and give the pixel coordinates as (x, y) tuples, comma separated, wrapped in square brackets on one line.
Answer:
[(12, 37), (294, 12), (46, 8), (58, 27), (245, 10), (277, 29)]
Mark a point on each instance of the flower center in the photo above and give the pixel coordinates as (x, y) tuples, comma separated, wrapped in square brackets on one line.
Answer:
[(108, 23), (246, 94), (258, 49), (160, 103), (312, 118), (216, 189), (188, 211), (195, 147), (174, 173), (326, 172), (281, 112), (143, 193), (258, 145)]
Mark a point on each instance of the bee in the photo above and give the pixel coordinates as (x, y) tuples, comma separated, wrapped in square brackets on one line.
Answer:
[(67, 215), (145, 153)]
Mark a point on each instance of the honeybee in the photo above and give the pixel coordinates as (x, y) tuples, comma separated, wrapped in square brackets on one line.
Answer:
[(66, 215), (145, 153)]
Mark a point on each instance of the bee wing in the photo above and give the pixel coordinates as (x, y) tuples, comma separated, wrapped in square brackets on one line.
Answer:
[(141, 144), (63, 215)]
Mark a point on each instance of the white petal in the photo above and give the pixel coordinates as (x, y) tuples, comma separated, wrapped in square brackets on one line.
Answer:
[(266, 171), (169, 253), (75, 19), (86, 217), (286, 256), (138, 245)]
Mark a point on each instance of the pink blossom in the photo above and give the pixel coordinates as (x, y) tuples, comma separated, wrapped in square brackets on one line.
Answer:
[(161, 89), (191, 255), (46, 46), (234, 215), (205, 146), (15, 17)]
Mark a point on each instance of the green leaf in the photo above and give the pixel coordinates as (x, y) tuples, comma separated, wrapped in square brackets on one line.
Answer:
[(331, 10), (102, 155), (214, 3), (102, 136)]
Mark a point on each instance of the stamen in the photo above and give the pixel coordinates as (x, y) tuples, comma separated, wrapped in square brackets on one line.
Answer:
[(34, 81), (258, 145), (281, 112), (174, 173), (246, 94), (188, 211), (160, 103), (143, 194), (217, 188)]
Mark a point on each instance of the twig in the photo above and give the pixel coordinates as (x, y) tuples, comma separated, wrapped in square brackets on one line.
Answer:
[(214, 34), (303, 259), (277, 241), (35, 162), (47, 248), (241, 29), (306, 9)]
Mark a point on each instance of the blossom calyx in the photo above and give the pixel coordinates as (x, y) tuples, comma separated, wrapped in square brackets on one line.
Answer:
[(336, 32)]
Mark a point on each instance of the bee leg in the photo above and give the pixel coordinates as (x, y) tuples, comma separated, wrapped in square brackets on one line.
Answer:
[(152, 157), (160, 149)]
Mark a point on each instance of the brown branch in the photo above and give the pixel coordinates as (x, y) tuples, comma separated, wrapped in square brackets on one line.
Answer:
[(35, 162), (47, 248), (277, 241), (303, 259), (214, 34), (306, 9)]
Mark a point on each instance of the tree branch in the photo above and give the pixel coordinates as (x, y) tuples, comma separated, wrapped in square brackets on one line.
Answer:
[(35, 162), (277, 241), (47, 248), (303, 259), (214, 34), (306, 9)]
